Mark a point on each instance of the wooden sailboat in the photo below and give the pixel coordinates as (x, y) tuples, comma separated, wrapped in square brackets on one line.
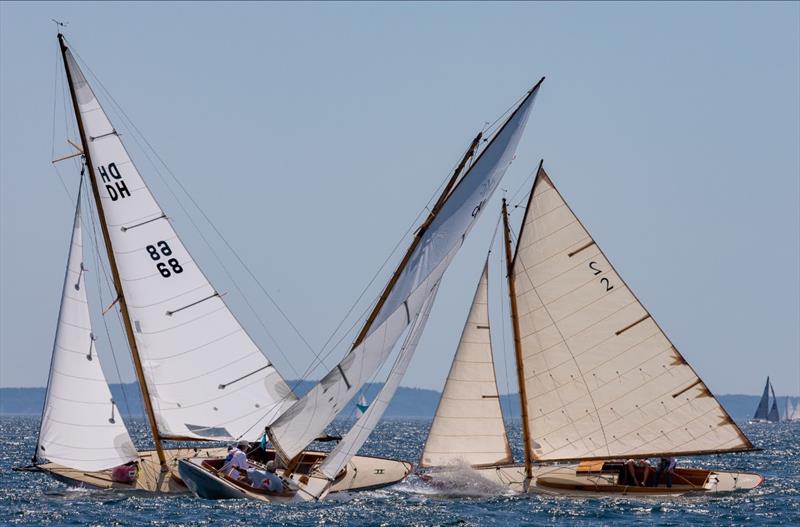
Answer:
[(402, 308), (599, 381), (202, 377)]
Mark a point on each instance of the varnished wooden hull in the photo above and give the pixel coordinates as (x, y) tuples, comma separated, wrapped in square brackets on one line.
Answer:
[(568, 480), (364, 473)]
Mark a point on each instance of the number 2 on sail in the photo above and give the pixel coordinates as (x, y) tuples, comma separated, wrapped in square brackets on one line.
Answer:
[(604, 280), (165, 268)]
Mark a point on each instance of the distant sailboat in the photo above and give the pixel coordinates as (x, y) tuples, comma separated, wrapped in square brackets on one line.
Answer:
[(361, 406), (765, 413), (599, 381), (201, 376), (792, 413)]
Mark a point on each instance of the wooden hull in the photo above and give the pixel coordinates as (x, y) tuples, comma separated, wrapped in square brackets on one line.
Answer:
[(575, 480), (363, 473)]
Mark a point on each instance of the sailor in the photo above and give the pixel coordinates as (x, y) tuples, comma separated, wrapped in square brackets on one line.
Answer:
[(265, 479), (666, 464), (631, 466), (238, 459)]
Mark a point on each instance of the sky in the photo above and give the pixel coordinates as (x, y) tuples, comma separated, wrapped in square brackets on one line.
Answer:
[(312, 135)]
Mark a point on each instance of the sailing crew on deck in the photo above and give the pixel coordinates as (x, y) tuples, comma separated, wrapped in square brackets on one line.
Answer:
[(631, 466), (666, 464), (238, 460)]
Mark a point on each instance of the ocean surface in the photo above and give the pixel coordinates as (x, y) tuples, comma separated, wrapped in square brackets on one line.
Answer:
[(35, 499)]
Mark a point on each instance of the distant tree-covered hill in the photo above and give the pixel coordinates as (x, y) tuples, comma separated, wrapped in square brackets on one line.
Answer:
[(408, 402)]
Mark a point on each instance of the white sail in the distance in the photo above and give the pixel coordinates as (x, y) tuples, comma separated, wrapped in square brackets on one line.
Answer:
[(206, 377), (81, 425), (468, 426), (602, 378), (440, 242)]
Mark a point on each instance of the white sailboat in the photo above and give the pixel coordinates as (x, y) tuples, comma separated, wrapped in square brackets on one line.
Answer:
[(402, 308), (599, 380), (792, 412), (201, 376)]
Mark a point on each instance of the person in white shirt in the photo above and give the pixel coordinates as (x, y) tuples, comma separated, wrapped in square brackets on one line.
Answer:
[(238, 460)]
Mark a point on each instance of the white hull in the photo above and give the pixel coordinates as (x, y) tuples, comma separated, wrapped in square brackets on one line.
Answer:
[(566, 479)]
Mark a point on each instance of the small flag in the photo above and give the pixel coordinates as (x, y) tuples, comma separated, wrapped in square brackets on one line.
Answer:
[(361, 406)]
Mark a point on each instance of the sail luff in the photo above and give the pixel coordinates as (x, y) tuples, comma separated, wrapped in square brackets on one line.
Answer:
[(468, 423), (512, 294), (596, 358), (137, 363)]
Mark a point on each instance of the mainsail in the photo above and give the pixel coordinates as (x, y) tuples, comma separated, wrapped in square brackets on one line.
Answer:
[(602, 378), (206, 377), (468, 425), (81, 426), (434, 250), (357, 436), (763, 405), (773, 416)]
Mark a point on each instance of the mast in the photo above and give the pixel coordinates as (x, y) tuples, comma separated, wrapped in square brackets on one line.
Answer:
[(417, 238), (512, 293), (148, 405)]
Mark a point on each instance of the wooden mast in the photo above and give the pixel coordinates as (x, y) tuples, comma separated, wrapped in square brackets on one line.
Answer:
[(137, 363), (512, 293), (417, 238)]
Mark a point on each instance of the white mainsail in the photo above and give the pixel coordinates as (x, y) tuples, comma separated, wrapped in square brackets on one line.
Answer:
[(468, 425), (602, 379), (206, 377), (307, 418), (359, 433), (81, 427)]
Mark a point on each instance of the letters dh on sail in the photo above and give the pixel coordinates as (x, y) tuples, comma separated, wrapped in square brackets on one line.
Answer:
[(426, 261)]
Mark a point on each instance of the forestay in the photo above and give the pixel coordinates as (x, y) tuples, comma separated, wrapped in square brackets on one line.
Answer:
[(358, 434), (468, 425), (206, 377), (304, 421), (602, 378), (81, 426)]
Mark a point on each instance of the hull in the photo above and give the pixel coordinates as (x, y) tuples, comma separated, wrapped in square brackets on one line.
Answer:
[(202, 477), (363, 473), (597, 479)]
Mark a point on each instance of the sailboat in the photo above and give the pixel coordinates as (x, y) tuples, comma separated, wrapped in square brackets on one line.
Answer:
[(792, 412), (599, 381), (202, 378), (764, 412), (402, 309), (362, 405)]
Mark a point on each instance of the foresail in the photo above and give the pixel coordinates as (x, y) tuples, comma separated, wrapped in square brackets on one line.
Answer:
[(763, 405), (440, 242), (468, 425), (363, 427), (774, 415), (81, 426), (206, 377), (602, 378)]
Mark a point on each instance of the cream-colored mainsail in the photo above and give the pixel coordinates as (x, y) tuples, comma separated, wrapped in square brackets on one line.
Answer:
[(81, 426), (602, 378), (468, 425)]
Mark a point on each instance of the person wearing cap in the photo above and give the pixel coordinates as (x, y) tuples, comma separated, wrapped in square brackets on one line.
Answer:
[(238, 460), (265, 479)]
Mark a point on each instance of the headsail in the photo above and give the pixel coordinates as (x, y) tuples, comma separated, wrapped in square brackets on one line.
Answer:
[(763, 405), (602, 378), (468, 425), (436, 247), (81, 426), (206, 377), (357, 436), (773, 416)]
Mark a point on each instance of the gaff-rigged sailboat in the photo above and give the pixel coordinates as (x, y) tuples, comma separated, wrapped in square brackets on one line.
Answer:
[(202, 377), (403, 307), (599, 381), (765, 413)]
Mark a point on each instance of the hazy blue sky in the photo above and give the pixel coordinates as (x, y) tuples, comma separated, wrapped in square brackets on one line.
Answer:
[(313, 134)]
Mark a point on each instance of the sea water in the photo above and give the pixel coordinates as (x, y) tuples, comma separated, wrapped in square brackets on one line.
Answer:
[(35, 499)]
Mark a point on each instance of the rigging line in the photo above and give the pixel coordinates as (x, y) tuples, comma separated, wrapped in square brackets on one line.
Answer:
[(503, 326), (524, 185), (99, 264), (124, 117)]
